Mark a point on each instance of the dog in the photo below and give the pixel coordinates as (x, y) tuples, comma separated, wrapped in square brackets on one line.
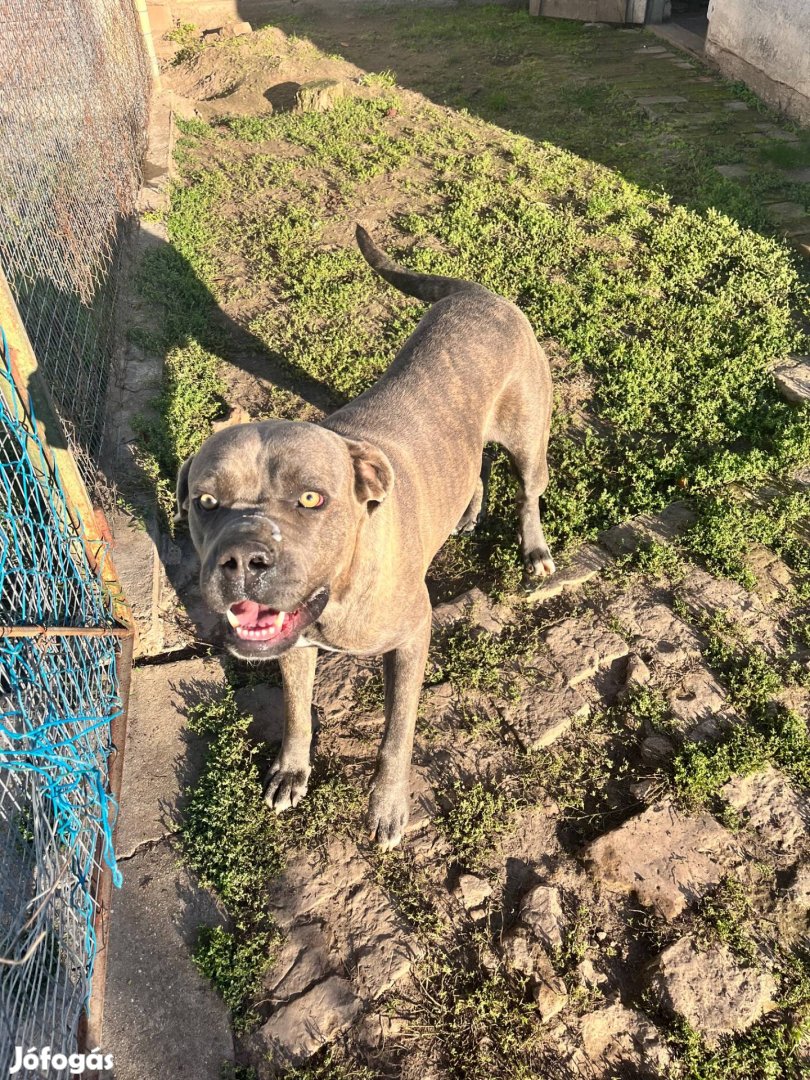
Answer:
[(319, 536)]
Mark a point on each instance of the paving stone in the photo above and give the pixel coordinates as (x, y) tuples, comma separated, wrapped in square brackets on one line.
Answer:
[(733, 172), (582, 646), (303, 1025), (707, 596), (623, 1039), (161, 1017), (629, 535), (474, 891), (541, 912), (585, 565), (473, 606), (771, 806), (735, 106), (524, 954), (699, 706), (366, 937), (162, 756), (773, 575), (663, 639), (783, 212), (667, 859), (636, 676), (656, 750), (798, 176), (545, 709), (798, 895), (792, 378), (711, 990)]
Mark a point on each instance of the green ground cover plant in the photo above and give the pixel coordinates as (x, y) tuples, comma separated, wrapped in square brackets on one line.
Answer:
[(663, 306)]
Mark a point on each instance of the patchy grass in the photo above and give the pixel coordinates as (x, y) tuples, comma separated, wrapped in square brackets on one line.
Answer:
[(730, 523), (237, 846), (230, 838), (724, 917), (675, 314), (477, 817), (404, 882), (477, 1022), (667, 308), (772, 732)]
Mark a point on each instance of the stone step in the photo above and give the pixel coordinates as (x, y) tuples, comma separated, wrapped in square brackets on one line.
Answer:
[(792, 378)]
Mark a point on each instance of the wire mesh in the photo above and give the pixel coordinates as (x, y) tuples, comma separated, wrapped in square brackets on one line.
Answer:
[(59, 697), (73, 108)]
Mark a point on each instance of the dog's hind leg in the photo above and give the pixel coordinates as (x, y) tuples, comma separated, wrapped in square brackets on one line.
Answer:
[(524, 436), (476, 511), (470, 517)]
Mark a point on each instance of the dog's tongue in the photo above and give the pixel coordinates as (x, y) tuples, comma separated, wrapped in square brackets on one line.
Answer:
[(249, 613)]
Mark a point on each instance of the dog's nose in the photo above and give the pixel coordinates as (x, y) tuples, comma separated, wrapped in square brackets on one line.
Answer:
[(244, 565)]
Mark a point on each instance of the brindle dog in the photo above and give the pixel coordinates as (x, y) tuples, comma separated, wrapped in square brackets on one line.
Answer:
[(320, 535)]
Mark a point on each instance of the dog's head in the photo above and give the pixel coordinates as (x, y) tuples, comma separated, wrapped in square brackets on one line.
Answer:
[(274, 510)]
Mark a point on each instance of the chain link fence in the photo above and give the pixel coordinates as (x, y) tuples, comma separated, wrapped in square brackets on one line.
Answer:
[(60, 702), (73, 113)]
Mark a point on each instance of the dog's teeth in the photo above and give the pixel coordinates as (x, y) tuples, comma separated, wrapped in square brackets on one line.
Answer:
[(232, 619), (279, 621)]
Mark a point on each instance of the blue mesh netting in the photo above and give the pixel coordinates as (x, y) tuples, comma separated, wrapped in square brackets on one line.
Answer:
[(58, 697)]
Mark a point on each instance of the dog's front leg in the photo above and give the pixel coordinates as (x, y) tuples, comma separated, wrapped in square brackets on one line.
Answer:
[(289, 773), (404, 672)]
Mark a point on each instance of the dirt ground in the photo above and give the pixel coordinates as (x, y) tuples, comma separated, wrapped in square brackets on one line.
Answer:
[(606, 870)]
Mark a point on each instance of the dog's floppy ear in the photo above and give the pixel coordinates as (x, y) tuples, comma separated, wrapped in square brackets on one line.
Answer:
[(182, 490), (373, 475)]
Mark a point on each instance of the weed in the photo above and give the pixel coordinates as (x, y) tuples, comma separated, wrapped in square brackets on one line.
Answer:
[(653, 559), (234, 962), (480, 1022), (471, 658), (327, 1065), (333, 806), (231, 839), (187, 37), (477, 817), (369, 696), (729, 525), (378, 78), (724, 916), (589, 770), (396, 872), (237, 1072), (772, 732)]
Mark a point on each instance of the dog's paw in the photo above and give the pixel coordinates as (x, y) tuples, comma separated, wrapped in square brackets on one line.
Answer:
[(388, 812), (285, 787), (539, 563)]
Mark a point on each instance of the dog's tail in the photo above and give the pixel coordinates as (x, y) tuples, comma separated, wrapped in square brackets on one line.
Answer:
[(428, 287)]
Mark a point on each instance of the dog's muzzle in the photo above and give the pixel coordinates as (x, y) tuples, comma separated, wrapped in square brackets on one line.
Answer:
[(259, 630)]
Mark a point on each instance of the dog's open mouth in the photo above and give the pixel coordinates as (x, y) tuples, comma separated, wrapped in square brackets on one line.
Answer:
[(260, 624)]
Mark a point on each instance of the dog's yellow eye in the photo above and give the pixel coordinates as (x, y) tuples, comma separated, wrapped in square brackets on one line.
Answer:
[(310, 499), (208, 502)]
